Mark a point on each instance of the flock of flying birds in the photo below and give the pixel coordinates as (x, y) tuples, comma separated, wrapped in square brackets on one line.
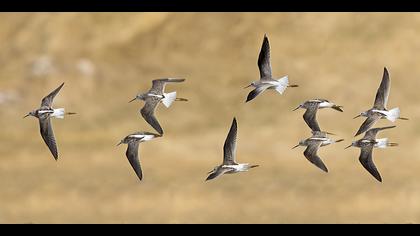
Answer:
[(319, 138)]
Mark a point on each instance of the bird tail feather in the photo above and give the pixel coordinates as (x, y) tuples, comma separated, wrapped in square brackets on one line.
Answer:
[(58, 113), (283, 83), (393, 114), (169, 99), (382, 143)]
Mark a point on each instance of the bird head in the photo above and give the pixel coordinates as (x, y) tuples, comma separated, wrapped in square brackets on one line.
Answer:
[(301, 142), (212, 171), (300, 105), (251, 84), (351, 145), (361, 114), (32, 113), (138, 97)]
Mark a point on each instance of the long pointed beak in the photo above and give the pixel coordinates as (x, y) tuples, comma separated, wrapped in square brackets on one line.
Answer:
[(119, 143), (296, 146), (26, 116), (357, 116), (348, 146), (132, 100), (247, 86), (296, 108), (330, 133)]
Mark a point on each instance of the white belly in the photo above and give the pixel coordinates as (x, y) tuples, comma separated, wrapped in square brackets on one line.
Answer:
[(325, 104), (143, 137), (239, 167), (326, 142), (154, 95), (380, 111), (45, 111), (321, 139)]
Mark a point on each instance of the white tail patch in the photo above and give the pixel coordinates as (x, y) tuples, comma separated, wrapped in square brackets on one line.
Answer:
[(169, 99), (393, 114), (325, 104), (282, 85), (381, 143), (143, 137), (58, 113)]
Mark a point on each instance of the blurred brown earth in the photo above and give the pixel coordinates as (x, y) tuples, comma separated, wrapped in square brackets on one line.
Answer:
[(107, 58)]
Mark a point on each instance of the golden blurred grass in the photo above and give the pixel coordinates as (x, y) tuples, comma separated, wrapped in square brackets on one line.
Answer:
[(338, 56)]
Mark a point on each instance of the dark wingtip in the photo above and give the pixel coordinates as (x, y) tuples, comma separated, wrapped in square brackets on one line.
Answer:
[(386, 73), (210, 177), (338, 108), (358, 133), (323, 168), (61, 85)]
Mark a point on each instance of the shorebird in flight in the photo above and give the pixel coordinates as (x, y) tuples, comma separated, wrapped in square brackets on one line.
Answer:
[(366, 145), (229, 165), (312, 107), (379, 110), (266, 79), (153, 97), (132, 153), (44, 113), (317, 140)]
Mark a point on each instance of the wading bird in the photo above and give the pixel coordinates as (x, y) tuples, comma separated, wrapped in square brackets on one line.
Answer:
[(317, 140), (379, 111), (133, 141), (366, 145), (229, 166), (266, 79), (44, 114), (312, 107), (153, 97)]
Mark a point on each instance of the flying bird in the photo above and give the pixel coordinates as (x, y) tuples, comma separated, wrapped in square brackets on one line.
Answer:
[(44, 114), (312, 107), (366, 145), (317, 140), (379, 110), (266, 79), (229, 165), (153, 97), (133, 141)]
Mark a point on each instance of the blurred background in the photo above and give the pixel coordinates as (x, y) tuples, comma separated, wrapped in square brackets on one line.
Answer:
[(105, 59)]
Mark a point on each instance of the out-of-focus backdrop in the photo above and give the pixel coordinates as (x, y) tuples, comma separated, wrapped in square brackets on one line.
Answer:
[(105, 59)]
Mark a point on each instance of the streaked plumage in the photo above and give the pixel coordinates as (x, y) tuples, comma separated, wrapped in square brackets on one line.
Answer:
[(366, 145), (153, 97), (44, 113), (379, 110), (313, 143), (266, 79), (312, 107), (229, 165), (133, 141)]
